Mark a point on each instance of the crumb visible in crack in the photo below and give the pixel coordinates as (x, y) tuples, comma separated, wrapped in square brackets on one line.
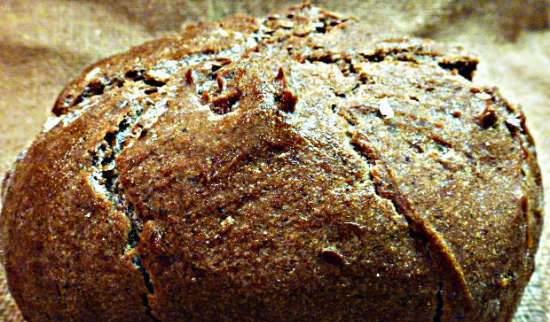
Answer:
[(146, 277), (105, 178), (105, 172)]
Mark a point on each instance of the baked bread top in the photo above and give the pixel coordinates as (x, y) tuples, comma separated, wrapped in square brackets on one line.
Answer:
[(291, 168)]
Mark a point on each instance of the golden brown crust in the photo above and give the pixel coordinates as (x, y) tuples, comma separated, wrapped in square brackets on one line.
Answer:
[(294, 168)]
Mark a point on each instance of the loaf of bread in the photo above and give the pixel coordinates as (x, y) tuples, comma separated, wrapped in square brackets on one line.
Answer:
[(292, 168)]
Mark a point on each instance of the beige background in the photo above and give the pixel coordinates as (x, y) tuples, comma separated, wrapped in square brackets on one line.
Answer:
[(45, 43)]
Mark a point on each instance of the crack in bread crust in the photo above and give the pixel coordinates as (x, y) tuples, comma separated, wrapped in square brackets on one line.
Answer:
[(435, 248), (105, 180), (443, 260)]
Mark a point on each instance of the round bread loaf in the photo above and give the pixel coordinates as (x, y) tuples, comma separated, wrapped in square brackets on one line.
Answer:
[(292, 168)]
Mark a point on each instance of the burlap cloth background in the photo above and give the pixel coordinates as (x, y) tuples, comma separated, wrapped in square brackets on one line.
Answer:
[(45, 43)]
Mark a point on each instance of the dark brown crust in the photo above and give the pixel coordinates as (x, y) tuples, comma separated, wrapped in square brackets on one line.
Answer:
[(294, 168)]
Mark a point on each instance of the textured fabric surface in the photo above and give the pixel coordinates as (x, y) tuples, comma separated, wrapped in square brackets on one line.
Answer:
[(45, 43)]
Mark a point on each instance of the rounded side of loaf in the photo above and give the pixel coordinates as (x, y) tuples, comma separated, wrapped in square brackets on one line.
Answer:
[(291, 168)]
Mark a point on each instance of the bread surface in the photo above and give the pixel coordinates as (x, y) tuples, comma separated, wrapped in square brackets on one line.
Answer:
[(291, 168)]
